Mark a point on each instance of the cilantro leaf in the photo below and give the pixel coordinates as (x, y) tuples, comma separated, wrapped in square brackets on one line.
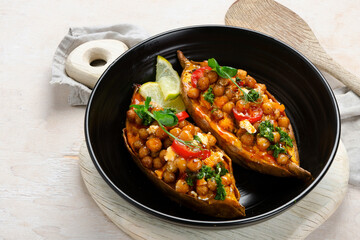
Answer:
[(189, 181), (284, 137), (197, 138), (224, 72), (277, 150), (166, 117), (266, 130), (209, 96)]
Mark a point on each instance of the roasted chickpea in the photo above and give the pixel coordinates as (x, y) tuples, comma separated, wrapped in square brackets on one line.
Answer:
[(217, 115), (203, 83), (242, 106), (282, 159), (137, 145), (181, 164), (247, 139), (131, 115), (228, 107), (202, 189), (147, 161), (143, 152), (158, 163), (240, 132), (221, 101), (229, 93), (197, 130), (194, 165), (186, 135), (189, 128), (226, 179), (162, 155), (223, 81), (168, 142), (212, 184), (154, 144), (241, 74), (161, 134), (211, 140), (171, 166), (213, 77), (175, 131), (181, 186), (169, 177), (183, 124), (276, 113), (283, 121), (193, 93), (143, 133), (267, 107), (218, 90), (227, 124), (262, 143), (276, 137), (250, 81), (138, 120)]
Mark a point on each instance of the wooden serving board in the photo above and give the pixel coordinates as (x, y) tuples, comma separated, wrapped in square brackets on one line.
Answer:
[(295, 223)]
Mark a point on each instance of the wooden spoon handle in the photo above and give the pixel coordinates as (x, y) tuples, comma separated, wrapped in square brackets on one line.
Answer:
[(325, 63)]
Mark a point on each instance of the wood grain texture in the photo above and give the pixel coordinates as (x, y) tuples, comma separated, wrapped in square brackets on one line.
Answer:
[(272, 18), (295, 223)]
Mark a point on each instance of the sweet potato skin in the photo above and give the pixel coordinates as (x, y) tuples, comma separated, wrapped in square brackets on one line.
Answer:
[(226, 209), (228, 141)]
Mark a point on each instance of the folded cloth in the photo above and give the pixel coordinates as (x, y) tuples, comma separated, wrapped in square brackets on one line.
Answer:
[(79, 93), (349, 106)]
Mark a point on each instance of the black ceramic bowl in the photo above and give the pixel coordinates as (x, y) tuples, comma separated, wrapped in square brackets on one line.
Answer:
[(289, 76)]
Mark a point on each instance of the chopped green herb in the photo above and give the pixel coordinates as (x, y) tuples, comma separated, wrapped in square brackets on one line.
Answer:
[(238, 80), (266, 130), (277, 149), (205, 172), (284, 137), (220, 169), (253, 96), (220, 190), (189, 181), (209, 96)]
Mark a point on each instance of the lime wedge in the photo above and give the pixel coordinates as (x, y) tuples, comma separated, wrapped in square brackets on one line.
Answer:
[(167, 78), (153, 90)]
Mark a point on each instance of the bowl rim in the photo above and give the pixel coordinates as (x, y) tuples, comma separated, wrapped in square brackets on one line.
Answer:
[(217, 223)]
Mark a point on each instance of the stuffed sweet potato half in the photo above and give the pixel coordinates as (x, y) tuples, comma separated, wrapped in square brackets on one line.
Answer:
[(181, 160), (251, 126)]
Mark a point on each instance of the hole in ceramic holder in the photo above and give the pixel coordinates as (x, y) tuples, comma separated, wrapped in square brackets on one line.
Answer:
[(97, 63)]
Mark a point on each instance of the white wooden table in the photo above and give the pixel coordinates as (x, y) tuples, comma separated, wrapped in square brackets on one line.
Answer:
[(42, 195)]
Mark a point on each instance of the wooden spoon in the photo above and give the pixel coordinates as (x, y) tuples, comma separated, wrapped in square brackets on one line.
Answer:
[(272, 18)]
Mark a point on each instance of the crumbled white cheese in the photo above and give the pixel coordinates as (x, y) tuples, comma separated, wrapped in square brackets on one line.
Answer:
[(245, 90), (152, 129), (203, 138), (170, 154), (245, 124)]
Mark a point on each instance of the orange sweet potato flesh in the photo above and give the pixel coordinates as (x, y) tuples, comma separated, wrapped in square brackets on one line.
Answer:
[(228, 208), (228, 141)]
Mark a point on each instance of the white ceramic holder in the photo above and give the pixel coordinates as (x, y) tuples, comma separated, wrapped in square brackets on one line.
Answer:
[(79, 65)]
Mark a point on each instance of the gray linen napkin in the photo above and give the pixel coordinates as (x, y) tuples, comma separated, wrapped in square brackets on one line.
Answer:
[(79, 93), (349, 105)]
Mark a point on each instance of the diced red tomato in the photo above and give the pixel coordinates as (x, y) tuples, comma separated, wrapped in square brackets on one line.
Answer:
[(253, 114), (198, 73), (182, 115), (187, 153)]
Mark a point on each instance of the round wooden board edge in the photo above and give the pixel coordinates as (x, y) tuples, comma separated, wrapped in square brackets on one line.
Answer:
[(295, 223)]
